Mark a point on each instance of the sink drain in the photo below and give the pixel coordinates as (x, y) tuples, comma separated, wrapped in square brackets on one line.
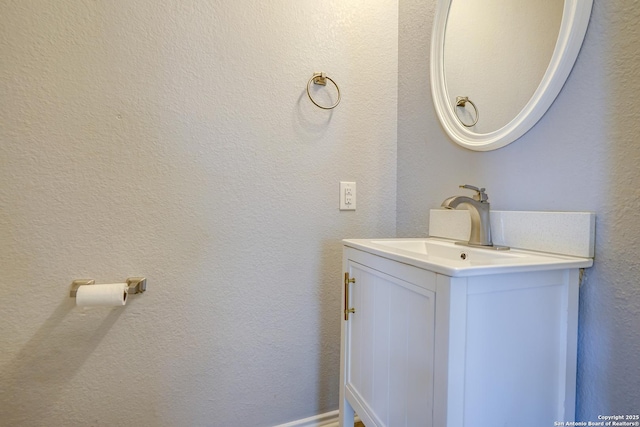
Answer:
[(463, 255)]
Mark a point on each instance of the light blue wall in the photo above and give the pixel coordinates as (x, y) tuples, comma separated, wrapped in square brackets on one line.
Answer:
[(584, 155), (174, 139)]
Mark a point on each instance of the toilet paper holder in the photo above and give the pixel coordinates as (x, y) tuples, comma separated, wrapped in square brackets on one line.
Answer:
[(136, 285)]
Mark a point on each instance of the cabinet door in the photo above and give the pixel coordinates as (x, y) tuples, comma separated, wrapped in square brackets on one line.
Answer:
[(389, 349)]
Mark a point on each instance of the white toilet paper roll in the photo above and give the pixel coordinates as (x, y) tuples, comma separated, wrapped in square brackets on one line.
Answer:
[(108, 295)]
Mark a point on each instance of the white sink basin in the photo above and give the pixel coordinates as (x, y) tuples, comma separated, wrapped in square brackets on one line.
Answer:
[(446, 257)]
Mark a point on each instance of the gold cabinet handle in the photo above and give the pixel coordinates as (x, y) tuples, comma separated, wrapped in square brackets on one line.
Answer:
[(347, 310)]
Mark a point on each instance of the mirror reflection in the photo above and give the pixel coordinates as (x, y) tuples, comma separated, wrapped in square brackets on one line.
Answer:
[(496, 53)]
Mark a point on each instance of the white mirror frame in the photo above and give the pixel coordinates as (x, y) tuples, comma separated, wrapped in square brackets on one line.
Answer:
[(575, 19)]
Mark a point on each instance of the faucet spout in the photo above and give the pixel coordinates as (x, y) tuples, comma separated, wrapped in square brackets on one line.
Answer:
[(479, 210), (455, 201)]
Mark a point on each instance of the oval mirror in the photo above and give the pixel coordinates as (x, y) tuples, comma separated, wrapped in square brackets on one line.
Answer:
[(498, 65)]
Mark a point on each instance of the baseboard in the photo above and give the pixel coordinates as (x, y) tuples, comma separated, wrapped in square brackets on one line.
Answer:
[(328, 419)]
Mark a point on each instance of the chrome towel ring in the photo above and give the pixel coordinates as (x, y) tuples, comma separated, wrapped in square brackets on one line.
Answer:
[(461, 101), (321, 79)]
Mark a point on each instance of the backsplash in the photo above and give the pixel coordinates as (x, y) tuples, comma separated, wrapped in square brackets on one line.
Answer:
[(567, 233)]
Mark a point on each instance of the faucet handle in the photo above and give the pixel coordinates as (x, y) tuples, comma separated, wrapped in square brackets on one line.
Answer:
[(481, 196)]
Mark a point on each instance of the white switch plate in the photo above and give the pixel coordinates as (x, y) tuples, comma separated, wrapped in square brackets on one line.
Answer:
[(347, 196)]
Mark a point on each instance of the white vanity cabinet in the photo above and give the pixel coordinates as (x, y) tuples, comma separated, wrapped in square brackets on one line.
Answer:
[(427, 349)]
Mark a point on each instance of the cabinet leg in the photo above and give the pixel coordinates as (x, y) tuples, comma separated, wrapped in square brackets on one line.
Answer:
[(347, 415)]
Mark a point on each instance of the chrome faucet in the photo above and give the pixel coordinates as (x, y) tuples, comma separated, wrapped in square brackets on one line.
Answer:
[(478, 207)]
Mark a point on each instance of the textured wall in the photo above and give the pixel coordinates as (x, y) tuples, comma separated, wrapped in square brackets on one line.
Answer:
[(582, 156), (174, 139)]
